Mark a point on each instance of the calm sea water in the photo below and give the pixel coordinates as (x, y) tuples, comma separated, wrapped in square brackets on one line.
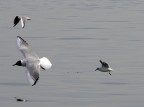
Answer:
[(75, 35)]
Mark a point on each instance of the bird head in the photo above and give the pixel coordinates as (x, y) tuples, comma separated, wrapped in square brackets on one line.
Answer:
[(18, 63)]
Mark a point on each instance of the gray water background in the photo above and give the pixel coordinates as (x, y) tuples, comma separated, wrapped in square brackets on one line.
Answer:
[(75, 35)]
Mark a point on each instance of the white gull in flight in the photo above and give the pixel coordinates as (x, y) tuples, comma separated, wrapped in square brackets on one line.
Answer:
[(31, 61), (22, 19), (105, 67)]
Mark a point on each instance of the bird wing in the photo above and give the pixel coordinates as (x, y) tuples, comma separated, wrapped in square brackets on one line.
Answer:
[(33, 71), (25, 50), (16, 20), (23, 20), (104, 64)]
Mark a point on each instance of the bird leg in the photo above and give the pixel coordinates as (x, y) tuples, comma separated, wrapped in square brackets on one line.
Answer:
[(109, 73)]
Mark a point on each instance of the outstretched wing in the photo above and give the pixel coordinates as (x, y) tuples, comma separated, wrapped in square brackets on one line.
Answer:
[(33, 71), (104, 64), (25, 50), (16, 20), (23, 21)]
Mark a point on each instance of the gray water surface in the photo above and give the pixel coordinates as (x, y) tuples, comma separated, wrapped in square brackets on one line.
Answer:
[(75, 35)]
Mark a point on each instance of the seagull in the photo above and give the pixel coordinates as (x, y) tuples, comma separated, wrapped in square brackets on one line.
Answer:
[(105, 67), (22, 19), (31, 61)]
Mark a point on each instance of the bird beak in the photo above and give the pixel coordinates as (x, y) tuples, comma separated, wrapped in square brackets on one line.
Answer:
[(96, 69), (13, 64)]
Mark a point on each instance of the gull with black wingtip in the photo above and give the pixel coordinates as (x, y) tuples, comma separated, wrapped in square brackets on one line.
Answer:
[(22, 19), (31, 61), (105, 67)]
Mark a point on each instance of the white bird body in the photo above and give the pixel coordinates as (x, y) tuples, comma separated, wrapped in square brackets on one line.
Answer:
[(31, 61), (105, 69), (45, 63)]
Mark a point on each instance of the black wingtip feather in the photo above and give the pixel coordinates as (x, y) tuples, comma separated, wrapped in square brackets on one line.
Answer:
[(35, 81), (16, 20), (22, 40), (100, 61)]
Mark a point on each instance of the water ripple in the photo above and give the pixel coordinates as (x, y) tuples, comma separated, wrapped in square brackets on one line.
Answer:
[(114, 83)]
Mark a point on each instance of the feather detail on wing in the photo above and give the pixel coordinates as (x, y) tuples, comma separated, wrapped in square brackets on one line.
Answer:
[(23, 20), (24, 48), (33, 71), (16, 20), (104, 64)]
